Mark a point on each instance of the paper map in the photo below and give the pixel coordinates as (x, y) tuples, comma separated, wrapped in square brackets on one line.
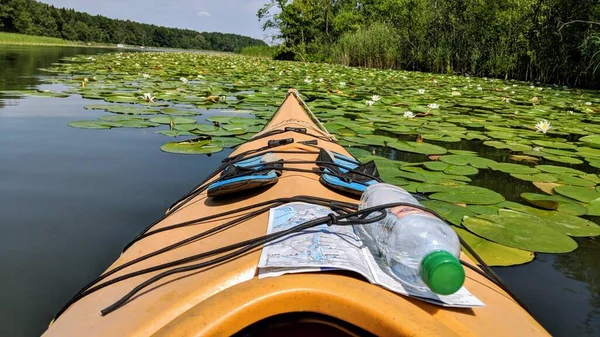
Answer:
[(336, 247)]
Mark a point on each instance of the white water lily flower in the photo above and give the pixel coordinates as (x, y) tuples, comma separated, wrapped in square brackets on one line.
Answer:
[(570, 112), (342, 84), (148, 98), (537, 149), (479, 88), (184, 80), (456, 93), (375, 98), (454, 89), (543, 126), (409, 114), (512, 92), (320, 80), (281, 73), (85, 79), (505, 88), (434, 81), (433, 106), (514, 85), (307, 80), (421, 91), (145, 76), (506, 99), (588, 103), (369, 103)]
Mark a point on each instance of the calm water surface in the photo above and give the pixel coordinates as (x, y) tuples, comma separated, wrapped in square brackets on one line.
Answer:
[(70, 199)]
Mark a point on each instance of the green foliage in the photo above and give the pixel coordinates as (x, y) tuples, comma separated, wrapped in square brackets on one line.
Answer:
[(260, 51), (35, 18), (12, 38), (535, 40), (376, 46)]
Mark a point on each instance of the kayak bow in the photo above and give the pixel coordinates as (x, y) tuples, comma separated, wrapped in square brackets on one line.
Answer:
[(159, 286)]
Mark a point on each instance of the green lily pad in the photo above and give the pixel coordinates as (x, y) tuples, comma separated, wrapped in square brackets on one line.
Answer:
[(463, 194), (563, 159), (555, 202), (456, 159), (565, 223), (435, 165), (591, 141), (175, 120), (179, 112), (541, 177), (450, 212), (124, 109), (461, 170), (554, 145), (175, 133), (494, 254), (192, 146), (558, 169), (583, 194), (358, 152), (574, 181), (514, 168), (90, 125), (511, 232), (227, 141), (414, 147), (593, 208), (484, 209)]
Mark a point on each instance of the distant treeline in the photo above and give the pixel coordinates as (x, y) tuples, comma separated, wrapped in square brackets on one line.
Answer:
[(36, 18), (536, 40)]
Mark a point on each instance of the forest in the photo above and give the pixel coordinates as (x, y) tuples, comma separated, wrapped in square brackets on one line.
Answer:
[(35, 18), (551, 41)]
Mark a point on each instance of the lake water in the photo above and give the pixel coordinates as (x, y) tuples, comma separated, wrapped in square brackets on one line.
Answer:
[(70, 199)]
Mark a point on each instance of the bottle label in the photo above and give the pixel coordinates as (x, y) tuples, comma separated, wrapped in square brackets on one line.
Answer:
[(402, 211)]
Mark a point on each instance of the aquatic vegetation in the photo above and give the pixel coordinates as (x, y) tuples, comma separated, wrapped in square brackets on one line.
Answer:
[(543, 126), (422, 135)]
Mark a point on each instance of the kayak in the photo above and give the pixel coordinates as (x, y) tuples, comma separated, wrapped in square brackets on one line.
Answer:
[(194, 272)]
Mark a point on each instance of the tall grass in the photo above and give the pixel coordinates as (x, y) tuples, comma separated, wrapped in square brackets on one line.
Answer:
[(12, 38), (376, 46), (260, 51)]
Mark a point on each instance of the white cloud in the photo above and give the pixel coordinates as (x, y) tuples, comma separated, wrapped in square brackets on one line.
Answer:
[(204, 13)]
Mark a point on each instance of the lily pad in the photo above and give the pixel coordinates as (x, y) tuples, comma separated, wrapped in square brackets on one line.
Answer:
[(90, 125), (511, 232), (494, 254), (461, 170), (562, 222), (583, 194), (514, 168), (463, 194), (192, 146), (175, 120), (450, 212), (422, 148), (591, 140)]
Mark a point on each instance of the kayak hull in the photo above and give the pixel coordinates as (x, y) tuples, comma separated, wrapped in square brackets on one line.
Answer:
[(224, 299)]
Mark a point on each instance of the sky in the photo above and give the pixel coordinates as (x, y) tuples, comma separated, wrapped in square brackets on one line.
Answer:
[(225, 16)]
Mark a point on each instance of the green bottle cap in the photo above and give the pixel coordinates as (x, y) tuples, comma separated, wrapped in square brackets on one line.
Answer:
[(442, 272)]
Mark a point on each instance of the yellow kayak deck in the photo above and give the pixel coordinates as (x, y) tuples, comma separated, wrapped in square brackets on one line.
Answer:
[(224, 299)]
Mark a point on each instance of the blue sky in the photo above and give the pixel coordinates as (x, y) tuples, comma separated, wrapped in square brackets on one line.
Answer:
[(227, 16)]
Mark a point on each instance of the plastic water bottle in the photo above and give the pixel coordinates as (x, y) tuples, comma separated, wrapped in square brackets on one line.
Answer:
[(421, 249)]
